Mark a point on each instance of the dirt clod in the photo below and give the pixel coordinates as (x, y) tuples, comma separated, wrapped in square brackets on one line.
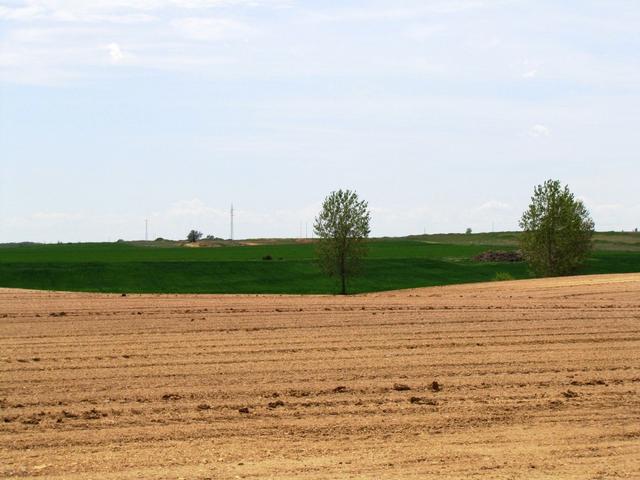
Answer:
[(422, 401), (276, 404), (33, 420), (401, 387), (93, 414), (171, 396), (435, 386)]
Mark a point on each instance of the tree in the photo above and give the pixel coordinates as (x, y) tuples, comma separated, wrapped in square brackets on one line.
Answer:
[(557, 231), (194, 236), (468, 231), (342, 228)]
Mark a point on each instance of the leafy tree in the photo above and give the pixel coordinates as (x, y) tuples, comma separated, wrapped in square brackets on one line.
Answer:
[(468, 231), (557, 231), (194, 236), (342, 228)]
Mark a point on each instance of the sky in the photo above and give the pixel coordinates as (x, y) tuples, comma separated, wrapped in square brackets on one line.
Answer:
[(442, 114)]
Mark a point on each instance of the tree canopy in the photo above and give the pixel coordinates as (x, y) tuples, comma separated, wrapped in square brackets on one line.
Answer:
[(557, 230), (194, 236), (342, 228)]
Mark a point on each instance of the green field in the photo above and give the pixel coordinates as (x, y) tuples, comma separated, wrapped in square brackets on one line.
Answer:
[(169, 267)]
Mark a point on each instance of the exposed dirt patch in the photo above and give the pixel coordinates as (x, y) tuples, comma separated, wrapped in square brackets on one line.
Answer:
[(255, 388), (499, 256)]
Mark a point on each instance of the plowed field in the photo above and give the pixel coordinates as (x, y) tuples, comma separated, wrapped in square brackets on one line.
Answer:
[(529, 379)]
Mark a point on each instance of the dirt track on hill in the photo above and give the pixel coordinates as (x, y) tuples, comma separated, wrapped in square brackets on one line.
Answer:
[(533, 379)]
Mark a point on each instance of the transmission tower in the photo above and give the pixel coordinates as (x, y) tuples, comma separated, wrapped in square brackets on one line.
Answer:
[(231, 222)]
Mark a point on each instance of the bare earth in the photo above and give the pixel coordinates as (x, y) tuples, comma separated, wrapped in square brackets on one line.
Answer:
[(535, 379)]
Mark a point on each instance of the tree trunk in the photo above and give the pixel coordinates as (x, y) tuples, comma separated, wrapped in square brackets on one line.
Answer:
[(343, 276)]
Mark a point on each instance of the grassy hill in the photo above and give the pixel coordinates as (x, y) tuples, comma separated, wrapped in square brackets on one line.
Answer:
[(225, 267)]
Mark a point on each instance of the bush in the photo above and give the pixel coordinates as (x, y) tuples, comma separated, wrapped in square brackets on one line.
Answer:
[(194, 236), (267, 257), (503, 277)]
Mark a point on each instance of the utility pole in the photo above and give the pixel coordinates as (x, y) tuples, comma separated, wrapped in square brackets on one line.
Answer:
[(146, 229), (231, 221)]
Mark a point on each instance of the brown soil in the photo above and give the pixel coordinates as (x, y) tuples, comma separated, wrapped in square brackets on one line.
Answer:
[(535, 379), (499, 256)]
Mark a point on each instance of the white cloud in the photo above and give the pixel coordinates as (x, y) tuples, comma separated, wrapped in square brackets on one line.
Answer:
[(57, 216), (402, 12), (190, 208), (608, 208), (211, 29), (114, 10), (537, 131), (115, 52), (492, 206), (531, 69), (19, 13), (423, 32)]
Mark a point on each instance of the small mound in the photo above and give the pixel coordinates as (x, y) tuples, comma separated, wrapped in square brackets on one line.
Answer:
[(499, 256)]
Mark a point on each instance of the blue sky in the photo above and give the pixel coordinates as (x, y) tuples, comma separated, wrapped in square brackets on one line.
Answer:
[(442, 114)]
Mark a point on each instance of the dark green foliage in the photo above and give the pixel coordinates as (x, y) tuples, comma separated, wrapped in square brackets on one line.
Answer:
[(193, 236), (557, 231), (342, 228)]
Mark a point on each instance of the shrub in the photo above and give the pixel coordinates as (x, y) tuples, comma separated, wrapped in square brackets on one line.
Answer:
[(194, 236), (503, 277)]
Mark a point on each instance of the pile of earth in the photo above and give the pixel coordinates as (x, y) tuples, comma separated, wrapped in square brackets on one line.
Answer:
[(499, 256)]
